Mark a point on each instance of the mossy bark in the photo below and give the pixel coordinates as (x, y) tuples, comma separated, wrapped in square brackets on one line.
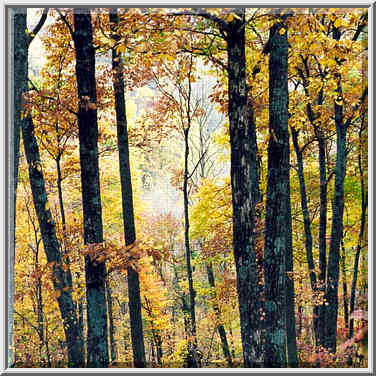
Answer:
[(97, 346)]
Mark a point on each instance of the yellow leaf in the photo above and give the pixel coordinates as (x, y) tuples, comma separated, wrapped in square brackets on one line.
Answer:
[(57, 294), (338, 23), (230, 17), (282, 31), (122, 48), (47, 206)]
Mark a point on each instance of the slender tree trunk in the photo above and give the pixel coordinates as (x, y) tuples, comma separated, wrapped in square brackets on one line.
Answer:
[(278, 211), (60, 191), (322, 231), (245, 195), (344, 287), (62, 280), (361, 233), (220, 328), (127, 203), (97, 346), (292, 350), (81, 326), (331, 311), (192, 342), (307, 228), (111, 322)]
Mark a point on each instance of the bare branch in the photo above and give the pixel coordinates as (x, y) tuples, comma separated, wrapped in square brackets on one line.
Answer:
[(38, 26), (199, 12)]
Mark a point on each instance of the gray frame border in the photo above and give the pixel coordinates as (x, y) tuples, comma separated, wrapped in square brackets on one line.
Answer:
[(8, 213)]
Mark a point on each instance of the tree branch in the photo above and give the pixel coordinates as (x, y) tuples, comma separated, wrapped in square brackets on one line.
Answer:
[(38, 26), (199, 12), (198, 162), (64, 18), (360, 28)]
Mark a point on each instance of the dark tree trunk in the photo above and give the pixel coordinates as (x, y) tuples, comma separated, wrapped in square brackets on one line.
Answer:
[(307, 227), (62, 280), (292, 350), (245, 194), (344, 287), (322, 231), (361, 232), (19, 79), (331, 311), (192, 343), (158, 345), (60, 191), (97, 346), (278, 216), (111, 322), (319, 311), (81, 326), (220, 328), (127, 203)]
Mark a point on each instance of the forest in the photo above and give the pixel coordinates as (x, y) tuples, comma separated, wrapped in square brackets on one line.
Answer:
[(188, 188)]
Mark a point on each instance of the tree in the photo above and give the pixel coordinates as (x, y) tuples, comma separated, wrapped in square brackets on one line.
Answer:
[(127, 204), (62, 279), (342, 126), (97, 347), (278, 241)]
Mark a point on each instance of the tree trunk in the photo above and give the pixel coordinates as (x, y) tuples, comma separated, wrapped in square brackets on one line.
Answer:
[(245, 194), (331, 311), (97, 346), (307, 227), (62, 280), (322, 231), (361, 233), (20, 75), (192, 343), (60, 191), (220, 328), (278, 216), (292, 350), (111, 322), (127, 203), (344, 286)]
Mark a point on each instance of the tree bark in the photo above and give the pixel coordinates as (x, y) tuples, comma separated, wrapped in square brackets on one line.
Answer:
[(138, 346), (245, 194), (111, 322), (97, 346), (278, 211), (20, 74), (331, 311)]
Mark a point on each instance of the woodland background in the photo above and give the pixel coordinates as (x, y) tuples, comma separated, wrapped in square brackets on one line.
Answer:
[(190, 187)]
